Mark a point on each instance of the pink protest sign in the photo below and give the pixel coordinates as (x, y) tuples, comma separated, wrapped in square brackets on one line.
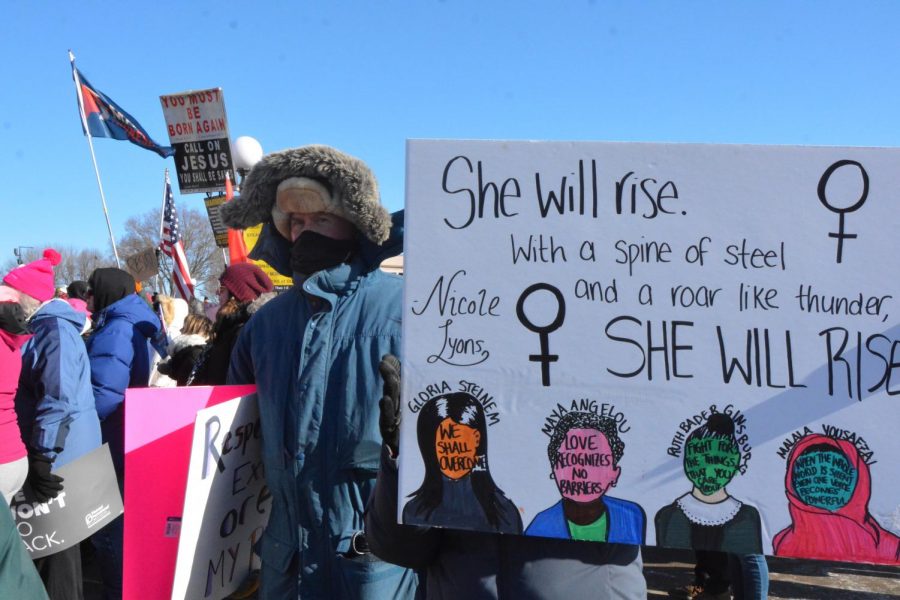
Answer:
[(159, 427)]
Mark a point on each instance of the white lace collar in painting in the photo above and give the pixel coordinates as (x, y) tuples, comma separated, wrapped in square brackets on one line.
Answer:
[(701, 513)]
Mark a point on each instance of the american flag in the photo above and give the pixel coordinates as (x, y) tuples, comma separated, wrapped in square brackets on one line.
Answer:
[(171, 246)]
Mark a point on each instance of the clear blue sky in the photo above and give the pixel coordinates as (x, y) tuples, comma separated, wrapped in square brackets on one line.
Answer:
[(364, 76)]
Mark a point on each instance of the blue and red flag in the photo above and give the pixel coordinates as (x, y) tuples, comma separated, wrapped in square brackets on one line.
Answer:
[(105, 118)]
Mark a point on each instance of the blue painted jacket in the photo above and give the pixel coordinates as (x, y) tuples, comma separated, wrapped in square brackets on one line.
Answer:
[(120, 351), (627, 522), (54, 402), (313, 352)]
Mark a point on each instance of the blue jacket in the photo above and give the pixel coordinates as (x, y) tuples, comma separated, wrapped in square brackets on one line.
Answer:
[(627, 522), (120, 350), (120, 354), (54, 403), (315, 364)]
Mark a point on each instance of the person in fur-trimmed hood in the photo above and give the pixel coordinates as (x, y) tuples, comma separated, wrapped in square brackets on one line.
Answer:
[(243, 289), (313, 353), (188, 350)]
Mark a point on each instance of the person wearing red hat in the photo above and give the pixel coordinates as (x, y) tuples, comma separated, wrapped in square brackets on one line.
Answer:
[(54, 402), (243, 289)]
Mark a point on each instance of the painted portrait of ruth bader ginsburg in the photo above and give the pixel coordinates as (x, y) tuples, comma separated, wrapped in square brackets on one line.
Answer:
[(708, 517)]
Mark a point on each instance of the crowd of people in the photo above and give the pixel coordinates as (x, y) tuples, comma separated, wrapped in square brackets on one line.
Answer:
[(323, 356)]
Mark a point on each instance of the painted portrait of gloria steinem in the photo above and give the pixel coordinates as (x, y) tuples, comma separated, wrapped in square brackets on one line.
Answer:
[(458, 490)]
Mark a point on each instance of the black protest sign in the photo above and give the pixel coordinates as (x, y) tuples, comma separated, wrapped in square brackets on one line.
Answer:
[(201, 166), (89, 501), (220, 230)]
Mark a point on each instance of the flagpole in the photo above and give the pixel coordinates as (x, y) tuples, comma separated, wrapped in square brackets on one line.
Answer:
[(87, 133), (162, 212), (229, 194)]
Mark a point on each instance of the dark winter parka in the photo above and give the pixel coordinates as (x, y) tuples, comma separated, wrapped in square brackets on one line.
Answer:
[(216, 358), (186, 353), (314, 353), (321, 441)]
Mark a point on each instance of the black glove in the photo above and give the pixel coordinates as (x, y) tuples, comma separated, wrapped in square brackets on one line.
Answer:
[(45, 485), (165, 367), (389, 419)]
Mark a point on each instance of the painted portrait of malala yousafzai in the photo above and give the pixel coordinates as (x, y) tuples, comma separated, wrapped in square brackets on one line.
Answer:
[(458, 490), (829, 485)]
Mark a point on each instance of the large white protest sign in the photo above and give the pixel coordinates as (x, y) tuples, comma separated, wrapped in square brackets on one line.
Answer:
[(226, 505), (673, 344), (198, 130)]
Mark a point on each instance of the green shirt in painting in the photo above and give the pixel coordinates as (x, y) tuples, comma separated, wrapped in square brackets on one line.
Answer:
[(592, 532)]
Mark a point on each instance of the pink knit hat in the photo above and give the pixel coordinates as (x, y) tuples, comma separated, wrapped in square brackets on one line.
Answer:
[(35, 278)]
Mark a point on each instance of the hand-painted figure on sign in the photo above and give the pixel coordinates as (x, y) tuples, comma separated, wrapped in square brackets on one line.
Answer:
[(585, 451), (828, 488), (707, 517), (458, 490)]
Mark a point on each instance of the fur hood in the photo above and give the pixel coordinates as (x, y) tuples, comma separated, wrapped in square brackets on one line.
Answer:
[(234, 321), (260, 302), (352, 186), (186, 341)]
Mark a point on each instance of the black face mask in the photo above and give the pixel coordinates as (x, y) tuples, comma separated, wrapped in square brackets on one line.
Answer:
[(12, 318), (314, 252)]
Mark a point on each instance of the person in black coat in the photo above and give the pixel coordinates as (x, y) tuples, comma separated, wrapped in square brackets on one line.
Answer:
[(188, 350), (240, 290)]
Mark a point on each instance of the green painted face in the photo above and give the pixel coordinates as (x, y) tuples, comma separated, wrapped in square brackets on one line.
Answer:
[(824, 478), (710, 463)]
